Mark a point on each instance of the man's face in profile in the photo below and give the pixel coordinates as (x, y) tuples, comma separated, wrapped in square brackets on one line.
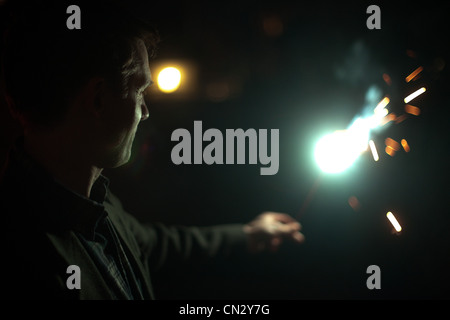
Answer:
[(122, 115)]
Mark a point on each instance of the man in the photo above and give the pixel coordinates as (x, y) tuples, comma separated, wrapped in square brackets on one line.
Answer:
[(79, 95)]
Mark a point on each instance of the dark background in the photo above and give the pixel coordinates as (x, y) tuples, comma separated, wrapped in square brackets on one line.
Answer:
[(303, 68)]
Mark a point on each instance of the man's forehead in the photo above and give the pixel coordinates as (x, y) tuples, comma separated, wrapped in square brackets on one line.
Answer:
[(142, 76), (143, 72)]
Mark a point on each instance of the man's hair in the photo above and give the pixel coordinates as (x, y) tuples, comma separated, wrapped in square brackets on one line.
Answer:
[(45, 64)]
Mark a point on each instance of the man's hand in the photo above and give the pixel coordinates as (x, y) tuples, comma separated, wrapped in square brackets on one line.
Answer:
[(268, 230)]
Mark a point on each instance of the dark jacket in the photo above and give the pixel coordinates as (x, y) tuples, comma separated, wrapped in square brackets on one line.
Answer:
[(40, 220)]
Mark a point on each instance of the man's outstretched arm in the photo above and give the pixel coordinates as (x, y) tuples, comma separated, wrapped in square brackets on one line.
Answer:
[(160, 244)]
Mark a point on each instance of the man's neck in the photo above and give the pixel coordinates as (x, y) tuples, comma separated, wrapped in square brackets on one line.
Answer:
[(64, 160)]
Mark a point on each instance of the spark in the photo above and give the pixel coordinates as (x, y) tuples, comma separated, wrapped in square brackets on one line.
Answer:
[(405, 145), (412, 110), (390, 151), (354, 203), (415, 94), (414, 74), (380, 108), (394, 221), (392, 143), (374, 150), (390, 117), (387, 79), (401, 118), (411, 54)]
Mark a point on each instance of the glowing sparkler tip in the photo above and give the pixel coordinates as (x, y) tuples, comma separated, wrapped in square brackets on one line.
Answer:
[(394, 221), (336, 152)]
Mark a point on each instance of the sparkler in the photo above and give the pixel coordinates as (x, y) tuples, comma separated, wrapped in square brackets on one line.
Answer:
[(337, 151)]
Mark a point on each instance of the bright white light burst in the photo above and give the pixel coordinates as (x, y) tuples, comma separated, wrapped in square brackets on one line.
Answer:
[(337, 151)]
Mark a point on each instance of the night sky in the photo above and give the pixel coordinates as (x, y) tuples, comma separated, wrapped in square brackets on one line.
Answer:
[(303, 68)]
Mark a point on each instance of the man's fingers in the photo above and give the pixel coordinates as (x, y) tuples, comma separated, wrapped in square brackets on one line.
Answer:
[(298, 237), (276, 241), (295, 225), (283, 229), (281, 217), (288, 231), (269, 230)]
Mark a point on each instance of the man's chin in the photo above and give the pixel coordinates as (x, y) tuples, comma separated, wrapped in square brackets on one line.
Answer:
[(122, 161), (117, 160)]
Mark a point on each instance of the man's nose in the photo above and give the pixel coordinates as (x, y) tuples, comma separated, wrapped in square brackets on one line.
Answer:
[(145, 112)]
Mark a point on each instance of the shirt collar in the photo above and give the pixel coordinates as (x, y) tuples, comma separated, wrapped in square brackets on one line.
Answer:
[(57, 207)]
